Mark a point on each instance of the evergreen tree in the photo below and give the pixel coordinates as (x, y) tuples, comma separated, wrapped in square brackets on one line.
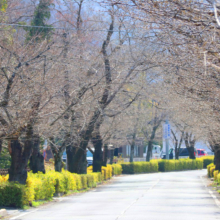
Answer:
[(41, 15)]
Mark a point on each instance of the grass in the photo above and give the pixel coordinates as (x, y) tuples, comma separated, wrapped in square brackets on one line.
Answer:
[(38, 203)]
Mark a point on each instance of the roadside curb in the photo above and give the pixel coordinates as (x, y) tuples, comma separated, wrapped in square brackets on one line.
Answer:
[(213, 193), (3, 213)]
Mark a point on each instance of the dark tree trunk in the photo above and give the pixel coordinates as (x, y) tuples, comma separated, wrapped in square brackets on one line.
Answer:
[(191, 152), (190, 143), (105, 155), (0, 146), (111, 156), (149, 150), (217, 159), (19, 160), (58, 163), (132, 152), (37, 159), (82, 167), (97, 155), (70, 152), (177, 152)]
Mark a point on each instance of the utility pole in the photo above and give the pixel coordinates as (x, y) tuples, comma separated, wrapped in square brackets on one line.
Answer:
[(167, 137)]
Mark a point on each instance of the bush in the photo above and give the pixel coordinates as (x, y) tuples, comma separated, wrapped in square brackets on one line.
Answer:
[(12, 194), (207, 160), (153, 166), (139, 167), (4, 178), (199, 163), (212, 169), (84, 181), (69, 181), (91, 180), (215, 174), (127, 168), (209, 169), (116, 169)]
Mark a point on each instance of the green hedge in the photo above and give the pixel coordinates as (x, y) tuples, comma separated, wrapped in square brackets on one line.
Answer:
[(181, 164), (161, 165), (207, 160), (139, 167), (12, 194), (41, 186)]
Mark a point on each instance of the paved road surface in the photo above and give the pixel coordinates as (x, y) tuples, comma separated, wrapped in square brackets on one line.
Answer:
[(174, 195)]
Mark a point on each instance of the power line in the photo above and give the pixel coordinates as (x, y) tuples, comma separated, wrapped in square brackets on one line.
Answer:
[(59, 28)]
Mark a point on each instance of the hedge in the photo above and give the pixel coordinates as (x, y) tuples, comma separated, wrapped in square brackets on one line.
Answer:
[(161, 165), (139, 167), (44, 186), (207, 160)]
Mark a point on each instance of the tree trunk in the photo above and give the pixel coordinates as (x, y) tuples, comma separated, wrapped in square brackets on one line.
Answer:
[(82, 166), (217, 159), (149, 150), (177, 153), (132, 152), (191, 152), (19, 160), (37, 159), (97, 156), (190, 143), (70, 153), (0, 146), (105, 155), (58, 165), (111, 156)]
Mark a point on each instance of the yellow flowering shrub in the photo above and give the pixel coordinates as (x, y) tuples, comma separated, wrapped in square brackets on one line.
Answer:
[(84, 181), (116, 169), (209, 169), (78, 181), (70, 181), (4, 178), (215, 173)]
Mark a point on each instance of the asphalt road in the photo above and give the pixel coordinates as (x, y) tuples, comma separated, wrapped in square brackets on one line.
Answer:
[(174, 195)]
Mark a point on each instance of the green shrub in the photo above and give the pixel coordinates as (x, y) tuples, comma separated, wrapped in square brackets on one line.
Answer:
[(207, 160), (127, 168), (69, 181), (215, 174), (153, 165), (84, 181), (212, 169), (208, 169), (77, 178), (91, 180), (116, 169), (161, 165), (12, 194), (199, 163)]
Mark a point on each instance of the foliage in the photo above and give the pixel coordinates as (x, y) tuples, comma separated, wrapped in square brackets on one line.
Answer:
[(209, 167), (181, 164), (215, 174), (3, 5), (161, 165), (5, 159), (116, 169), (12, 194), (41, 14), (139, 167), (4, 178), (84, 181), (207, 160)]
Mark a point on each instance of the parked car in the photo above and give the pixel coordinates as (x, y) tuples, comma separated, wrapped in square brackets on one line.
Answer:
[(183, 153), (89, 158), (201, 152)]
